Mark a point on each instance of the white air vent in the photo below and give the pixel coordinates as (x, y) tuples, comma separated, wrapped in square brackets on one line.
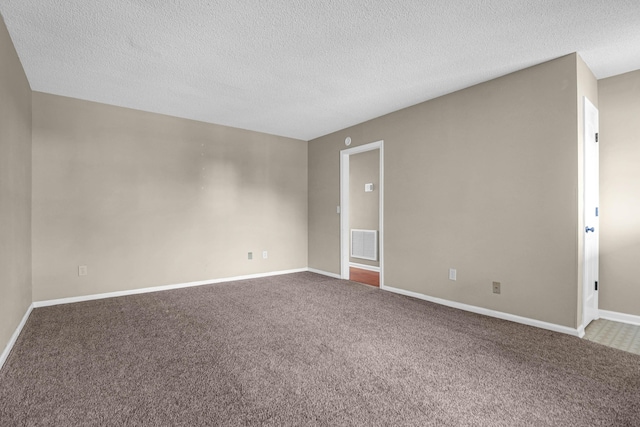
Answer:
[(364, 244)]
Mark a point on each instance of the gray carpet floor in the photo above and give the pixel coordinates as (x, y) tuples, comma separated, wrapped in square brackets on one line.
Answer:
[(304, 349)]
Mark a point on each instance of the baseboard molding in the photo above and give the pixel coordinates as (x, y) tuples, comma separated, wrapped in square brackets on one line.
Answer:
[(619, 317), (14, 337), (324, 273), (579, 332), (488, 312), (70, 300), (365, 267)]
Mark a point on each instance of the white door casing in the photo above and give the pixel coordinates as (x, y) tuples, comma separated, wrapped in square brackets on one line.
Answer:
[(344, 207), (591, 214)]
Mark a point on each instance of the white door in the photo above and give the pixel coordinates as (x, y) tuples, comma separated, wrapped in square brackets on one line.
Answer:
[(591, 213)]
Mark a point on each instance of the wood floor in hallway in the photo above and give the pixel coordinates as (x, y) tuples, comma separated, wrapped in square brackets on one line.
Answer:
[(364, 276)]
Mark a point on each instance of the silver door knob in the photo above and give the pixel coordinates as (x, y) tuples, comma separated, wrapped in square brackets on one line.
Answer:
[(589, 229)]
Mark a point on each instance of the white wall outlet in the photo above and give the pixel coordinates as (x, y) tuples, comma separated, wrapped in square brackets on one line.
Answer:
[(82, 270), (265, 255), (452, 274)]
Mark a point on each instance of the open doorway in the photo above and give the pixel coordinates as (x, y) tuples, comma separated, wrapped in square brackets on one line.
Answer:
[(362, 231)]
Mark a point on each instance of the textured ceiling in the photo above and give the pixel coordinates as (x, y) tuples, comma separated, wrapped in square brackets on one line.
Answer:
[(303, 68)]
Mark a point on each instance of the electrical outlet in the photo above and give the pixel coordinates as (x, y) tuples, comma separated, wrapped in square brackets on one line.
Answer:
[(82, 270), (452, 274), (265, 255), (496, 287), (250, 255)]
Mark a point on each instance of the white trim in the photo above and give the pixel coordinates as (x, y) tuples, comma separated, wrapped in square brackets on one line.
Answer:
[(344, 206), (324, 273), (160, 288), (344, 213), (14, 337), (488, 312), (631, 319), (364, 267), (381, 217)]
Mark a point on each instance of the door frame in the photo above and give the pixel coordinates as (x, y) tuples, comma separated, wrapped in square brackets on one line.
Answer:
[(590, 313), (344, 207)]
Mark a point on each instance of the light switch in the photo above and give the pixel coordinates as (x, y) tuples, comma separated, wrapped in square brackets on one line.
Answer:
[(368, 188)]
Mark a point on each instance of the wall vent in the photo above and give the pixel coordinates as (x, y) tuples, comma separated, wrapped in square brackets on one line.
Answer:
[(364, 244)]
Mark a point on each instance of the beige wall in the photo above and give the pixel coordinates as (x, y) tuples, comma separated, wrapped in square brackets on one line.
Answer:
[(484, 180), (364, 207), (15, 189), (620, 193), (145, 200), (324, 197)]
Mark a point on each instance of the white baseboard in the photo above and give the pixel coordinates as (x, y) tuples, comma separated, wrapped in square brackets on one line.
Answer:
[(59, 301), (487, 312), (620, 317), (610, 315), (324, 273), (47, 303), (365, 267), (14, 337)]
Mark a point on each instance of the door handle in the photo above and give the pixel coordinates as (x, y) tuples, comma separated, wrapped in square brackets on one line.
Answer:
[(589, 229)]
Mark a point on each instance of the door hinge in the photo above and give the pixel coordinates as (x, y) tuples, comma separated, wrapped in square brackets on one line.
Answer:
[(596, 136), (597, 212), (596, 285)]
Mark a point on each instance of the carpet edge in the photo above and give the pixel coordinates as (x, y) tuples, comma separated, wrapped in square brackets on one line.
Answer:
[(91, 297), (576, 332)]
